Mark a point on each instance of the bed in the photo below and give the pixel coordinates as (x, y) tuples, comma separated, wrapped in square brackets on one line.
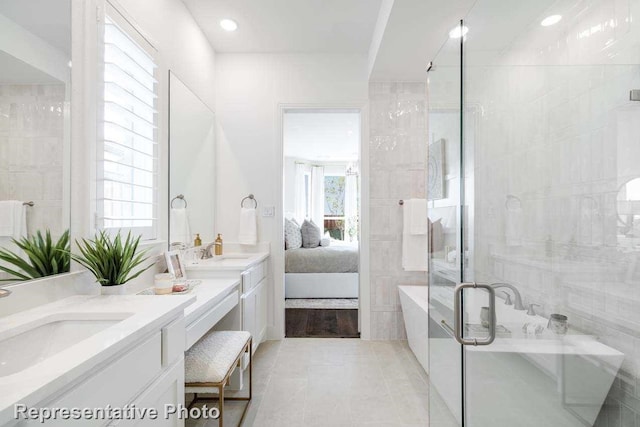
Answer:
[(323, 272)]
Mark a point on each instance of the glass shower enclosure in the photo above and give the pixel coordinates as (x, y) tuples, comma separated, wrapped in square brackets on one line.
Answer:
[(534, 192)]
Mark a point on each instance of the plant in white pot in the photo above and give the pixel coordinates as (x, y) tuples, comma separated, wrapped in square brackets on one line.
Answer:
[(112, 261)]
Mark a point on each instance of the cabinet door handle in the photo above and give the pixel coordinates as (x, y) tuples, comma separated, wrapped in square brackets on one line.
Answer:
[(458, 311)]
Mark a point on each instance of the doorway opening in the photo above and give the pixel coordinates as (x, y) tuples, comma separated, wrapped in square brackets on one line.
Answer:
[(322, 222)]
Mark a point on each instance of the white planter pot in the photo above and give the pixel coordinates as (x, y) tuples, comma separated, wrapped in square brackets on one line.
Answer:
[(114, 290)]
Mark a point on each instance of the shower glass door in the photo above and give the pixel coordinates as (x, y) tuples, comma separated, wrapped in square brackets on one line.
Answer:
[(547, 148), (445, 270)]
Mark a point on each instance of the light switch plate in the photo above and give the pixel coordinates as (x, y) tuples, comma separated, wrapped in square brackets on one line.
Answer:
[(268, 211)]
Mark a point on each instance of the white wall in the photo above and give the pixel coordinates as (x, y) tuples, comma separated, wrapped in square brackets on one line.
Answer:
[(251, 88), (289, 185), (29, 48)]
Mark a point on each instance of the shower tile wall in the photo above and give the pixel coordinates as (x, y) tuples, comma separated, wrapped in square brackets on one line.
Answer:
[(31, 151), (398, 166), (562, 139)]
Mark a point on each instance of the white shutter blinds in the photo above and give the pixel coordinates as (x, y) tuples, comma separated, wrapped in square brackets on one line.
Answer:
[(127, 151)]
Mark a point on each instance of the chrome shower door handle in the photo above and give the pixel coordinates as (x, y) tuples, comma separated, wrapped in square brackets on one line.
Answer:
[(458, 324)]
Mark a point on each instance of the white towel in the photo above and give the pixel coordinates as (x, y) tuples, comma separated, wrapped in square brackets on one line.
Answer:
[(415, 236), (248, 227), (417, 209), (13, 219), (179, 225)]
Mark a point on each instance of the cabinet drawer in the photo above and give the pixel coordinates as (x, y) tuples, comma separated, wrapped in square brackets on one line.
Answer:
[(200, 326), (168, 389), (114, 385), (257, 274)]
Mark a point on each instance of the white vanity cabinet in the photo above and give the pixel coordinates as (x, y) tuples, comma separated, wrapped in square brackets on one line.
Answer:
[(253, 272), (254, 298), (148, 373)]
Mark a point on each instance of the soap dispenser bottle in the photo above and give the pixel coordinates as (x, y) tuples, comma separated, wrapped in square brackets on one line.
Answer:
[(197, 241), (218, 245)]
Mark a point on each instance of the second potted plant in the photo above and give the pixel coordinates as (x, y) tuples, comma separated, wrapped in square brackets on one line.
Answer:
[(112, 261)]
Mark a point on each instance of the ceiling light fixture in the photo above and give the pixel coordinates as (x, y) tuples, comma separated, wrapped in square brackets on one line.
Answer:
[(551, 20), (229, 25), (459, 31)]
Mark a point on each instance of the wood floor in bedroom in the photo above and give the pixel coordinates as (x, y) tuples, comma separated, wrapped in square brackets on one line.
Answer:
[(321, 323)]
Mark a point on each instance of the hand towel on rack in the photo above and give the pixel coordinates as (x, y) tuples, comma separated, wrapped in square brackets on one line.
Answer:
[(248, 227), (415, 235), (418, 220), (13, 219), (179, 225)]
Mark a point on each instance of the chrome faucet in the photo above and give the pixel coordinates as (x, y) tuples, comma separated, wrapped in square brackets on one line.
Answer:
[(507, 298), (206, 253), (517, 303)]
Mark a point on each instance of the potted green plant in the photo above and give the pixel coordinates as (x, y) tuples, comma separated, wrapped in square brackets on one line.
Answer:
[(112, 261), (42, 257)]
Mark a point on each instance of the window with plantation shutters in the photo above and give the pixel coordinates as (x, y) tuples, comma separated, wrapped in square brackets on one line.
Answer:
[(128, 136)]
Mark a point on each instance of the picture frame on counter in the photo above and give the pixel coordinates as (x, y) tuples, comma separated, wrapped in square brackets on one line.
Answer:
[(175, 264)]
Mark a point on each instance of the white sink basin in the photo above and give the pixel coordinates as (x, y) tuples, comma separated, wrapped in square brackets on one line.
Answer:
[(221, 259), (21, 348), (232, 256)]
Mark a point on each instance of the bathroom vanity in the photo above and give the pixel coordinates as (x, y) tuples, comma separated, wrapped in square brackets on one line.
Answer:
[(94, 351), (251, 269)]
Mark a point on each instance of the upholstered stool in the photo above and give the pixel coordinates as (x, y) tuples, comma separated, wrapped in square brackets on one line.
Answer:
[(210, 362)]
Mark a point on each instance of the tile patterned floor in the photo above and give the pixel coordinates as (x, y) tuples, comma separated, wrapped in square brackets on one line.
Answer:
[(333, 382)]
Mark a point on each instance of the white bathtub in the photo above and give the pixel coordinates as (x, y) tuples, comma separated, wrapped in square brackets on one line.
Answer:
[(415, 310)]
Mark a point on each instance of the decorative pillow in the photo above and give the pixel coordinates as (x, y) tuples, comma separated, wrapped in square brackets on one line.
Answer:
[(310, 234), (292, 235), (325, 241)]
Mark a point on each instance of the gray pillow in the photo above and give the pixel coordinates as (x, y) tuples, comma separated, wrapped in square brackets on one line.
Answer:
[(310, 234)]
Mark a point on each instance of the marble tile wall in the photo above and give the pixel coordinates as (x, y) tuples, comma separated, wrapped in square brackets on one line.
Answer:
[(31, 151), (398, 170)]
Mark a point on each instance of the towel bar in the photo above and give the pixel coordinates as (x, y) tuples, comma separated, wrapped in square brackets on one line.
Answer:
[(181, 197), (30, 204), (250, 197)]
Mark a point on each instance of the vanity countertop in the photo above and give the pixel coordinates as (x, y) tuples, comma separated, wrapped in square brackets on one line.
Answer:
[(134, 317), (208, 293), (237, 261)]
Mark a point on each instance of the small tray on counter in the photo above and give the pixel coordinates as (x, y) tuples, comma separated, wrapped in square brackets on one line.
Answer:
[(191, 284)]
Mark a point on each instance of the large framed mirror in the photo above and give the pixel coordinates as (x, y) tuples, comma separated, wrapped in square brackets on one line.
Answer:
[(192, 154), (35, 88)]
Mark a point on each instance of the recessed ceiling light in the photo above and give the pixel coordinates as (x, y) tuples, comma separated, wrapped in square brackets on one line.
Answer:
[(458, 32), (229, 25), (551, 20)]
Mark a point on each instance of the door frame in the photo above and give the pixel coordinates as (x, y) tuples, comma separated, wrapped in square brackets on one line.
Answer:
[(277, 251)]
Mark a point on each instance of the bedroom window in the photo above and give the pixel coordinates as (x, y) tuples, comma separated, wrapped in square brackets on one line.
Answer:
[(334, 197), (128, 136)]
